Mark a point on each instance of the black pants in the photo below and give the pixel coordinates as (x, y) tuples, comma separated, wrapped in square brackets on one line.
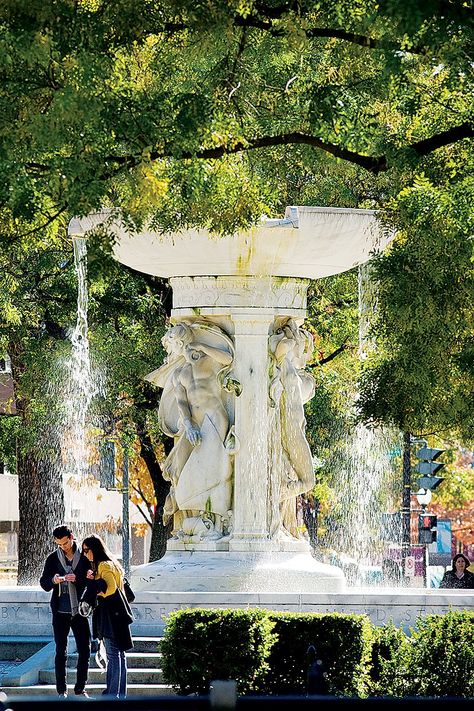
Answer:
[(62, 624)]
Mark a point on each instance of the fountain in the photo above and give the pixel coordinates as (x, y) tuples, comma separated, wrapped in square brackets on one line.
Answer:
[(239, 306), (234, 387)]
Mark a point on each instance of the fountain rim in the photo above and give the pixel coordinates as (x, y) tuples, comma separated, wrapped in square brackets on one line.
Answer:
[(77, 226), (309, 242)]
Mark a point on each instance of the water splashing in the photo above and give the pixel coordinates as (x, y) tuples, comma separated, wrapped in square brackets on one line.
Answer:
[(82, 386), (368, 477)]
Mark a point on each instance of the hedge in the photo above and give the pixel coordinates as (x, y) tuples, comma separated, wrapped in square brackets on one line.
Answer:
[(343, 642), (202, 645), (265, 652)]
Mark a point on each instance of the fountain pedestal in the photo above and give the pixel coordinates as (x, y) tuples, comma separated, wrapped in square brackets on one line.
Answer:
[(234, 387)]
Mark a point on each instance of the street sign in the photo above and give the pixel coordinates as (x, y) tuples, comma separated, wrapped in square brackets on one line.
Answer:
[(410, 566)]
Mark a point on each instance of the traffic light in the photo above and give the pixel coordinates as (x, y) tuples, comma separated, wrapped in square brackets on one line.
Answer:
[(427, 530), (427, 467)]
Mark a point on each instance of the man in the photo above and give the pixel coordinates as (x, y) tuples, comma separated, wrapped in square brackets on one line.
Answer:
[(65, 573)]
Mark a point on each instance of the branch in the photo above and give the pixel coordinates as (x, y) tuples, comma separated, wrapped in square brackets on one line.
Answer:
[(267, 25), (147, 520), (452, 135), (48, 222), (372, 164), (334, 354), (138, 490)]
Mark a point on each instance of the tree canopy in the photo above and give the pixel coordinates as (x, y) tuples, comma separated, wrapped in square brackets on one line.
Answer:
[(178, 110)]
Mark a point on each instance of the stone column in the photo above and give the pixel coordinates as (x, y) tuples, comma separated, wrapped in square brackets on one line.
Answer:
[(251, 525), (245, 307)]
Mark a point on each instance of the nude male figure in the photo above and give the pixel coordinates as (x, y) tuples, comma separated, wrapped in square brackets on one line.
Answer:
[(199, 392)]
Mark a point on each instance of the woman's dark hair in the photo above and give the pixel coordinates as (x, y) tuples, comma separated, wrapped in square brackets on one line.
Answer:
[(100, 552), (465, 559)]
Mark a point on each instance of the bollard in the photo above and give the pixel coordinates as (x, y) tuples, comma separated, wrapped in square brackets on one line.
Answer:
[(223, 695), (316, 679)]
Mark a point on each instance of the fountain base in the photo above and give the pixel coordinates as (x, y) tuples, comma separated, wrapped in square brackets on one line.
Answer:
[(219, 571)]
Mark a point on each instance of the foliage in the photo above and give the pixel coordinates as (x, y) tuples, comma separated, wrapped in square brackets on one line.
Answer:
[(441, 659), (436, 660), (342, 642), (265, 652), (358, 658), (421, 376), (202, 645), (388, 669)]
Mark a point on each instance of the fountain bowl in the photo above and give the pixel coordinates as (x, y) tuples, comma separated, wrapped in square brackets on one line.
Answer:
[(308, 243)]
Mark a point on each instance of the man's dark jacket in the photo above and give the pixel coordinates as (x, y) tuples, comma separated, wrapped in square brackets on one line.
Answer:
[(52, 567)]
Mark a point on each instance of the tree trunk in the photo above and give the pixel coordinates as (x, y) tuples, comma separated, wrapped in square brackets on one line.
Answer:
[(159, 533), (40, 486), (41, 504)]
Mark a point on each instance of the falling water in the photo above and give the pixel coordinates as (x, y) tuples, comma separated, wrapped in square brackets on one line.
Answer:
[(364, 488), (367, 480), (82, 386)]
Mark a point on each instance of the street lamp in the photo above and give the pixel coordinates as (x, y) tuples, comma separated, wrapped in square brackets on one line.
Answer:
[(424, 496)]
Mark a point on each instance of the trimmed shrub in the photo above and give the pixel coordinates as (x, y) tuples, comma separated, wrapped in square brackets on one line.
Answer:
[(389, 662), (202, 645), (441, 659), (342, 641)]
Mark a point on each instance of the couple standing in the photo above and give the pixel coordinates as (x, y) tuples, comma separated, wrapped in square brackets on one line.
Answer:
[(67, 573)]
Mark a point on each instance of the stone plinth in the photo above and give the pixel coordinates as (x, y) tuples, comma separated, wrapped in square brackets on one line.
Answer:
[(201, 571), (25, 612)]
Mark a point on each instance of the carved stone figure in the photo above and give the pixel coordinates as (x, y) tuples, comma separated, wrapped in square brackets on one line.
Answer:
[(291, 463), (195, 410)]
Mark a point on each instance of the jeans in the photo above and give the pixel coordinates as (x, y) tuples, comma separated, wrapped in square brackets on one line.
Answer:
[(116, 670), (62, 624)]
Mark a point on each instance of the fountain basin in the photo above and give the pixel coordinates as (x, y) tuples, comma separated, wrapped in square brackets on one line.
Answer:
[(309, 243)]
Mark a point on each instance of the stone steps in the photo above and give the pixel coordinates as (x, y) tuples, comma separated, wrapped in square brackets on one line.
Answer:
[(135, 660), (94, 690), (97, 676), (144, 674)]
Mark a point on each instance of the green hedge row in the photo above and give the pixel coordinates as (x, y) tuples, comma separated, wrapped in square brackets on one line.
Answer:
[(266, 653), (436, 660)]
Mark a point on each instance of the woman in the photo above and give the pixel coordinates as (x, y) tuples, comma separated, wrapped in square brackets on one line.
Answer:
[(112, 616), (459, 576)]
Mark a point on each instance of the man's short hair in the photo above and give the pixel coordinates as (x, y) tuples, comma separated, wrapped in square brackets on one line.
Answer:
[(62, 532)]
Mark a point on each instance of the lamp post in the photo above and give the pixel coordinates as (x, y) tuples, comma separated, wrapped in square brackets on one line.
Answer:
[(125, 515), (423, 496)]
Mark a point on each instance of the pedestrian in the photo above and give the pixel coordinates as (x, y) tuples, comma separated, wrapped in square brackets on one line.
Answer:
[(112, 615), (65, 574), (459, 576)]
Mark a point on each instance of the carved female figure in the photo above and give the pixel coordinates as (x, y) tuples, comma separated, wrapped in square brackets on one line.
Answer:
[(290, 388)]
